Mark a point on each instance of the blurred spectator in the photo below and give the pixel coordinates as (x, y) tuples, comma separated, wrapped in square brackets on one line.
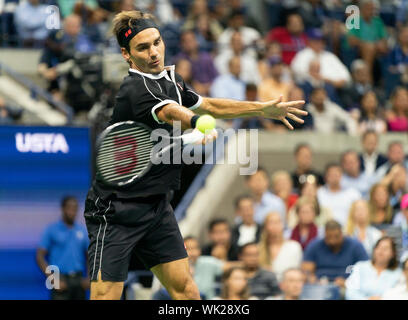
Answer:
[(235, 285), (304, 166), (296, 93), (162, 9), (395, 155), (249, 67), (370, 279), (276, 253), (361, 84), (370, 159), (65, 244), (220, 245), (401, 220), (9, 113), (229, 85), (265, 201), (396, 182), (314, 13), (397, 117), (205, 269), (282, 186), (184, 69), (353, 177), (398, 58), (329, 259), (370, 118), (332, 70), (273, 50), (328, 117), (236, 22), (371, 36), (204, 71), (67, 6), (291, 285), (380, 208), (247, 230), (262, 283), (273, 86), (306, 229), (358, 225), (30, 19), (332, 195), (291, 37), (309, 189), (400, 290)]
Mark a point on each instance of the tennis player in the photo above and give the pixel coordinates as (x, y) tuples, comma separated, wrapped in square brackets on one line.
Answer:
[(139, 220)]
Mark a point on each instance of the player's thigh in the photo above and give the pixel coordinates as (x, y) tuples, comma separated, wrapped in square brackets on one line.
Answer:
[(106, 290), (174, 275)]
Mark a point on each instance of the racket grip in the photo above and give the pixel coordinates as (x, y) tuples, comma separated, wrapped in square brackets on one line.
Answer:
[(193, 137)]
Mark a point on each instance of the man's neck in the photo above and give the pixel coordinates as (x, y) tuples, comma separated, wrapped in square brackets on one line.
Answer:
[(334, 188)]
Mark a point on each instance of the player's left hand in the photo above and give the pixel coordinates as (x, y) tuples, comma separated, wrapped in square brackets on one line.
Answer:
[(276, 109)]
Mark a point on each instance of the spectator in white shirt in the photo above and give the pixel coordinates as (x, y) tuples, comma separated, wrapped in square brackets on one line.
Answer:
[(400, 291), (236, 23), (352, 175), (265, 201), (329, 117), (249, 65), (247, 230), (332, 70), (334, 197), (370, 158), (276, 253)]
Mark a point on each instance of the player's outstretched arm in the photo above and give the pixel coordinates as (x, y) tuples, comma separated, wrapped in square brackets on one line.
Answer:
[(274, 109)]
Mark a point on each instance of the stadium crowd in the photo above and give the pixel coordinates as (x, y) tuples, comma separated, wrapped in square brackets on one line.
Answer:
[(345, 228)]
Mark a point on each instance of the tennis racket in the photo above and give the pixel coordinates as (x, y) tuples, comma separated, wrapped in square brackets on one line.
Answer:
[(125, 151)]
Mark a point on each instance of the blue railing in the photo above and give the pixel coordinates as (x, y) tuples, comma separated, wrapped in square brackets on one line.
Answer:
[(37, 92)]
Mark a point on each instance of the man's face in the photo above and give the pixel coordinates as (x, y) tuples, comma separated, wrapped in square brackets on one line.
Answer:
[(193, 249), (70, 210), (292, 284), (333, 176), (295, 24), (236, 43), (318, 97), (246, 210), (304, 158), (72, 25), (333, 238), (220, 234), (258, 183), (403, 36), (368, 10), (351, 164), (146, 51), (396, 153), (316, 44), (189, 43), (370, 143), (250, 256), (235, 66)]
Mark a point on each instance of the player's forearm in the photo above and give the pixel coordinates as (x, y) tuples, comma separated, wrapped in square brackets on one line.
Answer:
[(228, 109), (174, 112)]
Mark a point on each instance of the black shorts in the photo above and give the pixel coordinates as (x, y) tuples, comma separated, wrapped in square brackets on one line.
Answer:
[(120, 228)]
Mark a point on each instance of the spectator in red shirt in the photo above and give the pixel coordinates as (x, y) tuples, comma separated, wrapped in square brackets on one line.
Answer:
[(292, 38)]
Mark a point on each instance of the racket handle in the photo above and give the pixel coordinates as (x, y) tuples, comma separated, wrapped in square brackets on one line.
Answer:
[(193, 137)]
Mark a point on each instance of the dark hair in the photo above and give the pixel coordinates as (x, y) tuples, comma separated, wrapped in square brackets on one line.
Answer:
[(224, 290), (214, 222), (240, 198), (66, 199), (301, 146), (260, 169), (251, 87), (393, 263), (332, 225), (343, 155), (317, 89), (332, 165), (242, 248)]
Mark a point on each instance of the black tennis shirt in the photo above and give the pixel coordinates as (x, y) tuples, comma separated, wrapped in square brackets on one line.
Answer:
[(138, 99)]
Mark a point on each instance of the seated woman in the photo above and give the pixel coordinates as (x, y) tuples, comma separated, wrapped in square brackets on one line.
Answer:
[(370, 118), (371, 279), (397, 117), (306, 229), (380, 207), (276, 253), (235, 285), (358, 225)]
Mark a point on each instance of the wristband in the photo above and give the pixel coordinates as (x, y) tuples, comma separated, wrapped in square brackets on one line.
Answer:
[(193, 121)]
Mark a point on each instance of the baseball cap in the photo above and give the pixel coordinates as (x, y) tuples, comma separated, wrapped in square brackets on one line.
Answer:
[(315, 34), (274, 60), (404, 201)]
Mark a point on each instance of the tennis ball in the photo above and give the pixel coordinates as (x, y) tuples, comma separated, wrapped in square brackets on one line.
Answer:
[(205, 123)]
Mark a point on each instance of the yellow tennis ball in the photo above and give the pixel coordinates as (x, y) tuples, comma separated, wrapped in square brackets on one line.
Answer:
[(205, 123)]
